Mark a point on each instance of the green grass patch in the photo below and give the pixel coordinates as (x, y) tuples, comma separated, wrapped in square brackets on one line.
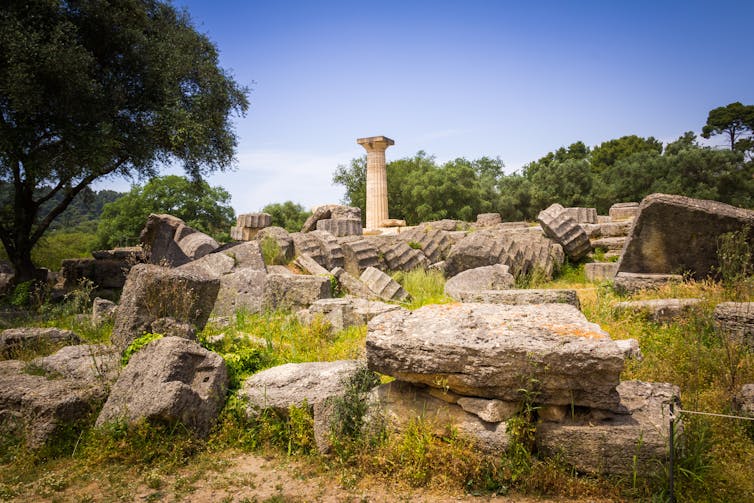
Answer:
[(424, 286)]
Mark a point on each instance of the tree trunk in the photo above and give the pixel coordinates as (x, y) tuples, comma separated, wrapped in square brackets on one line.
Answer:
[(23, 266)]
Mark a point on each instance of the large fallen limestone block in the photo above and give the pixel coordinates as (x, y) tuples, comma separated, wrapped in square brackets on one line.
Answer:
[(60, 391), (104, 273), (331, 211), (168, 240), (152, 292), (241, 290), (294, 292), (401, 257), (170, 380), (608, 229), (521, 297), (736, 319), (280, 387), (382, 285), (331, 250), (659, 310), (310, 266), (558, 225), (620, 444), (492, 277), (628, 283), (494, 351), (475, 250), (14, 339), (677, 234), (399, 403)]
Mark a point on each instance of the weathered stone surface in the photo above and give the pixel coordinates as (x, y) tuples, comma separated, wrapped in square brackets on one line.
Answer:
[(434, 243), (491, 411), (522, 297), (168, 240), (582, 215), (359, 254), (197, 245), (352, 284), (170, 327), (628, 283), (254, 220), (340, 227), (600, 271), (521, 250), (623, 211), (243, 289), (326, 211), (152, 292), (608, 229), (331, 250), (103, 310), (558, 225), (105, 273), (398, 256), (491, 277), (283, 239), (615, 444), (243, 233), (392, 222), (345, 312), (157, 239), (383, 285), (736, 319), (659, 310), (630, 348), (475, 250), (13, 339), (95, 365), (294, 292), (214, 265), (488, 219), (447, 225), (296, 383), (245, 255), (614, 244), (310, 266), (172, 380), (66, 388), (400, 402), (745, 400), (486, 351), (676, 234)]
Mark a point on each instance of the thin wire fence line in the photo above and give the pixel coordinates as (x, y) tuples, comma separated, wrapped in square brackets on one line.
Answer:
[(682, 411)]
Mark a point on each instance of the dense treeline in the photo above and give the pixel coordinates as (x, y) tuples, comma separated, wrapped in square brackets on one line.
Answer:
[(624, 169)]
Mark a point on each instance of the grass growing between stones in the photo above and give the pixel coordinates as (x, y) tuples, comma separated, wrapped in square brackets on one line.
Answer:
[(425, 287), (165, 463)]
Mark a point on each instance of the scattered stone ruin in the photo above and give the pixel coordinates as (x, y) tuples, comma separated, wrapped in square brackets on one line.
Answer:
[(471, 365)]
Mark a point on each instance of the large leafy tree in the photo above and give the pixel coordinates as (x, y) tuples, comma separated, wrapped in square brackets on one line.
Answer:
[(736, 121), (95, 88), (201, 206)]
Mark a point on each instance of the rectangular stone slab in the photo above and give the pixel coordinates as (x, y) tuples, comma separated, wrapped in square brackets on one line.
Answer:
[(496, 351)]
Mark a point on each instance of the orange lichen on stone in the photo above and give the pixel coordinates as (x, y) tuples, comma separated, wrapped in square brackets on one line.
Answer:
[(572, 331)]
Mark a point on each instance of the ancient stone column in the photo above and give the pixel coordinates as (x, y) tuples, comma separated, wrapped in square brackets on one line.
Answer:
[(376, 179)]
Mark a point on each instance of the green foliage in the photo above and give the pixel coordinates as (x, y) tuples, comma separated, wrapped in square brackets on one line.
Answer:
[(243, 362), (206, 209), (21, 296), (136, 345), (735, 256), (96, 89), (288, 215), (348, 411), (271, 252), (424, 286), (734, 120)]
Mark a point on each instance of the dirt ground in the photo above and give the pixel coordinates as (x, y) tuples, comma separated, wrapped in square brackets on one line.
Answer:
[(247, 478)]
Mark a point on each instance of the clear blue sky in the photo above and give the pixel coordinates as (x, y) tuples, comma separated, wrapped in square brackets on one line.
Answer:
[(463, 79)]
